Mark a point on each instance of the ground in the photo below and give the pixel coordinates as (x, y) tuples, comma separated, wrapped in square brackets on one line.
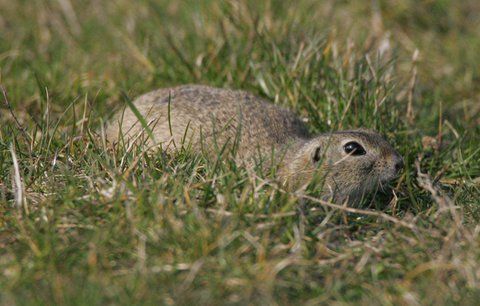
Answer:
[(81, 223)]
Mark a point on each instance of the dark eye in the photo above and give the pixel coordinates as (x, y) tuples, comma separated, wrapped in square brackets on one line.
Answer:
[(354, 148)]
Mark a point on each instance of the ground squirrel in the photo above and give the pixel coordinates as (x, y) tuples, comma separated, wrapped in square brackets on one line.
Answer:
[(350, 163)]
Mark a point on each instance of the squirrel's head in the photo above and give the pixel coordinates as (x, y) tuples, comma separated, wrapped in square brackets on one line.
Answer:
[(348, 163)]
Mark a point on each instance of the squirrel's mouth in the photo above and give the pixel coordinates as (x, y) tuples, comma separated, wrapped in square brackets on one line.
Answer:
[(384, 182), (392, 175)]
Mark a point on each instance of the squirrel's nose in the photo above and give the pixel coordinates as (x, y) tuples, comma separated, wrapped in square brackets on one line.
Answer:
[(398, 164)]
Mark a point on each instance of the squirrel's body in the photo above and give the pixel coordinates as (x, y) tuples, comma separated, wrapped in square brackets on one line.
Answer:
[(211, 119), (194, 114)]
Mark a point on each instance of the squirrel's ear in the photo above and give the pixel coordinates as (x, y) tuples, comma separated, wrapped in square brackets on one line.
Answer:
[(317, 154)]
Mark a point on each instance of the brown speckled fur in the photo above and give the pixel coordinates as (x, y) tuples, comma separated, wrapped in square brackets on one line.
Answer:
[(206, 118)]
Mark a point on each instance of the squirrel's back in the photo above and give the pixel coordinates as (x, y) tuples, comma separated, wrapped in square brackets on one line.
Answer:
[(206, 116)]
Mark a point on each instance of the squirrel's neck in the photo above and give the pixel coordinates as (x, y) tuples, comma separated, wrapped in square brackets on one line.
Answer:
[(288, 155)]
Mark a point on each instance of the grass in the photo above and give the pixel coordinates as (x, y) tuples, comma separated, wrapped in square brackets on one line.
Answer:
[(84, 224)]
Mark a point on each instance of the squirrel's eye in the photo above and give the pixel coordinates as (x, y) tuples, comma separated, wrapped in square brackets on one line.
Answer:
[(354, 148)]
